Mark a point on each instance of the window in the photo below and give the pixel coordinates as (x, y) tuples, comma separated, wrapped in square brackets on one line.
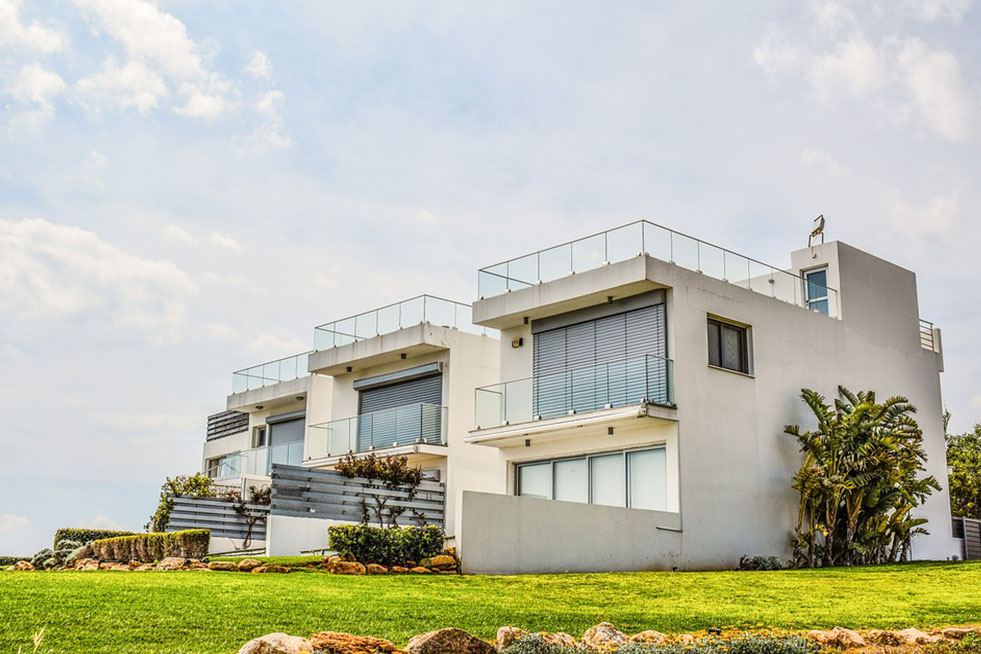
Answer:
[(816, 285), (635, 479), (728, 346), (216, 467), (259, 437)]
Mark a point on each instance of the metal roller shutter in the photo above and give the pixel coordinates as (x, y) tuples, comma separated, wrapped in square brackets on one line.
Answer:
[(404, 412), (428, 390)]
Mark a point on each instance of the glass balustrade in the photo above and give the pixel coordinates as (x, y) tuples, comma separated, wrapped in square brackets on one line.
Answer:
[(258, 461), (267, 374), (645, 378), (391, 318), (404, 425), (645, 237)]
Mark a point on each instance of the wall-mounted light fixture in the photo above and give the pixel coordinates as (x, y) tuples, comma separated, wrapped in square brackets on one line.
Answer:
[(259, 407), (517, 341)]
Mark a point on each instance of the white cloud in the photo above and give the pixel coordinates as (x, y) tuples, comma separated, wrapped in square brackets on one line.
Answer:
[(822, 160), (225, 241), (943, 97), (32, 36), (51, 270), (176, 233), (133, 85), (935, 218), (37, 87), (775, 54), (100, 521), (271, 132), (832, 16), (11, 522), (931, 10), (259, 66), (203, 103), (856, 68)]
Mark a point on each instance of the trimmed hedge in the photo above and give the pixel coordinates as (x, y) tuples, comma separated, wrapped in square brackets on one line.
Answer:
[(187, 544), (10, 560), (393, 546), (85, 536)]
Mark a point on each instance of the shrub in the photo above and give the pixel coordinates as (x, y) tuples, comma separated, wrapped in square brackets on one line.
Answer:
[(761, 563), (393, 546), (188, 544), (196, 485), (84, 536), (10, 560), (744, 644), (39, 559)]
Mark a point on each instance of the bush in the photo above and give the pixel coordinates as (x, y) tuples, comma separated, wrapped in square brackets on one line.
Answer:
[(39, 559), (84, 536), (744, 644), (188, 544), (392, 546), (10, 560), (761, 563)]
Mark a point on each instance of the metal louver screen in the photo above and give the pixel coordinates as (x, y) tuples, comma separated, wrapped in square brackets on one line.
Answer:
[(428, 390), (585, 366), (400, 413)]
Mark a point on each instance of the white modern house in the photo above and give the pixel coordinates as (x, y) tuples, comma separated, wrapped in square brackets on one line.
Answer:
[(631, 413)]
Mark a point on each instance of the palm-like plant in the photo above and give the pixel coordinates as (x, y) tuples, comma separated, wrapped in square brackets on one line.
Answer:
[(859, 480)]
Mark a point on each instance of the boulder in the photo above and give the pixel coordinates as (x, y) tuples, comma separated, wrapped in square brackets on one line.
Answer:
[(347, 568), (339, 643), (649, 636), (134, 564), (507, 635), (419, 570), (604, 636), (278, 643), (22, 566), (913, 636), (247, 565), (375, 569), (957, 633), (280, 569), (398, 569), (332, 559), (112, 565), (86, 564), (838, 637), (171, 563), (442, 561), (685, 639), (448, 641), (143, 567), (882, 637), (223, 566), (559, 638)]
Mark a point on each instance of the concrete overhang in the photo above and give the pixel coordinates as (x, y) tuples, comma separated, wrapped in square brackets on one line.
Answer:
[(563, 427), (386, 348), (575, 291), (421, 449), (283, 394)]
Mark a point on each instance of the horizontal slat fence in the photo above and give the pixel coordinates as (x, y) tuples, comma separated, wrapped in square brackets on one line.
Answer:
[(970, 531), (308, 493), (217, 516)]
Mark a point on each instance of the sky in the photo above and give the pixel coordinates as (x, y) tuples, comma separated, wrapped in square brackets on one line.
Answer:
[(187, 188)]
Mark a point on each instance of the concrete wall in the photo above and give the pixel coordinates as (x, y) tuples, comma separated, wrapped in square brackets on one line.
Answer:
[(504, 534), (287, 536), (219, 545)]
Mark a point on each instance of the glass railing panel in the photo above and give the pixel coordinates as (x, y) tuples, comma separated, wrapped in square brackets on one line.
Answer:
[(712, 261), (441, 313), (524, 269), (490, 284), (240, 382), (833, 306), (787, 287), (684, 251), (760, 278), (288, 368), (624, 242), (413, 312), (489, 406), (657, 241), (405, 425), (366, 325), (555, 263), (737, 269), (588, 253), (387, 319)]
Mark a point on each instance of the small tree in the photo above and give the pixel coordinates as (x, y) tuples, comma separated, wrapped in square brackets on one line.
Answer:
[(859, 480), (196, 485), (391, 473), (964, 478), (261, 496)]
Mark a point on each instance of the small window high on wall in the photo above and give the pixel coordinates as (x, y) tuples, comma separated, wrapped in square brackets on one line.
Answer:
[(816, 285), (728, 346)]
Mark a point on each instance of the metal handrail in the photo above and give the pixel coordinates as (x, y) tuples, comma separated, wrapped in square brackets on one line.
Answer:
[(927, 340), (243, 380), (419, 422)]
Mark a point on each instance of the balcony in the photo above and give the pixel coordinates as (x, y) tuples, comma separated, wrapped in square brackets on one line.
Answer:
[(646, 379), (413, 424), (408, 313), (267, 374), (258, 461), (647, 238)]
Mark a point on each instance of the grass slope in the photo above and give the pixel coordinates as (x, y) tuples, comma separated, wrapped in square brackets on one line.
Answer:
[(185, 612)]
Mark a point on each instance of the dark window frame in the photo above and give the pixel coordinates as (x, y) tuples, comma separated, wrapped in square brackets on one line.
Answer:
[(717, 354)]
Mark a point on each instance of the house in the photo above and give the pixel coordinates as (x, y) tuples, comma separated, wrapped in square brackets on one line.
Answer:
[(631, 413)]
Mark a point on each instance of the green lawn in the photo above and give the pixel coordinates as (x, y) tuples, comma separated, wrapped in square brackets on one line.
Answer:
[(169, 612)]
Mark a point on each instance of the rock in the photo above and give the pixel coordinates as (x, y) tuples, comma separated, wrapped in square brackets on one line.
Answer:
[(86, 564), (685, 639), (441, 561), (338, 643), (223, 566), (913, 636), (507, 635), (22, 566), (425, 563), (280, 569), (247, 565), (278, 643), (143, 567), (134, 564), (112, 565), (448, 641), (882, 637), (649, 636), (419, 570), (375, 569), (171, 563), (332, 559), (838, 637), (604, 636), (956, 633), (398, 569), (560, 638), (347, 568)]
